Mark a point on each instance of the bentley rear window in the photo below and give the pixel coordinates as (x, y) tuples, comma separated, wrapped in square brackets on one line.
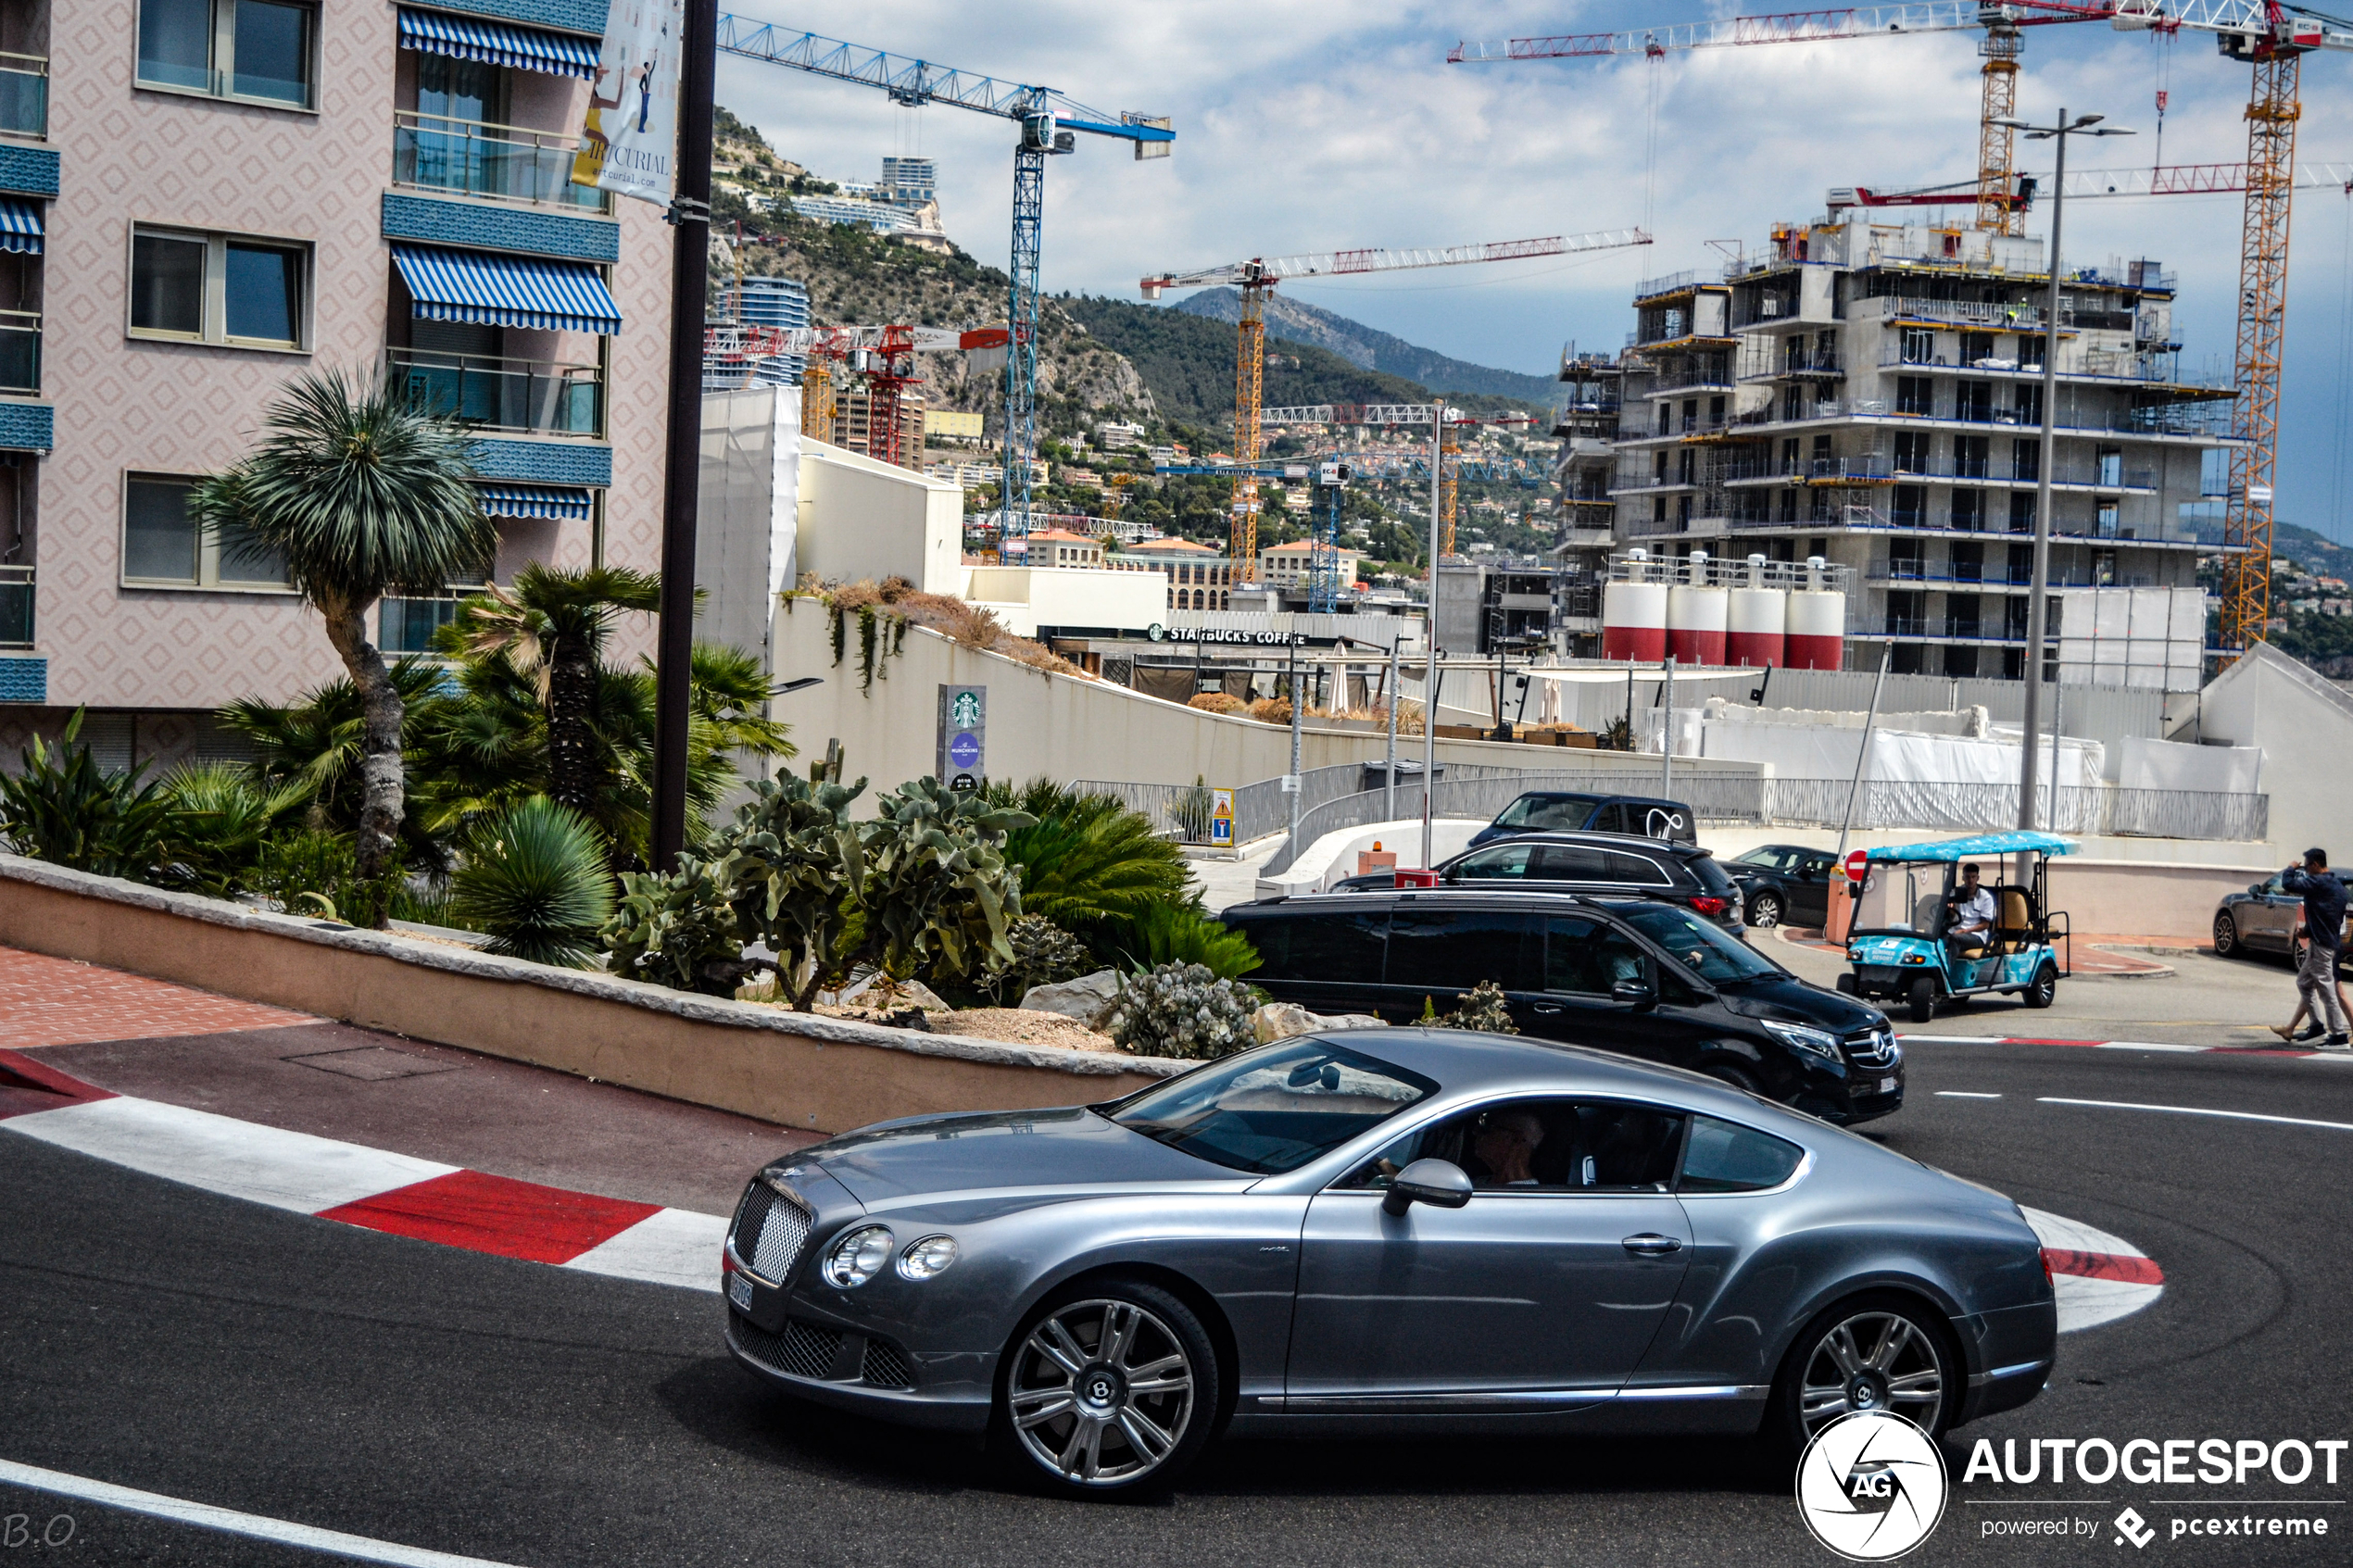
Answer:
[(1274, 1109)]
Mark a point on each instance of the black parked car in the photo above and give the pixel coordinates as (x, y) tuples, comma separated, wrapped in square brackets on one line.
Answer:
[(1784, 883), (1644, 979), (1552, 810), (1599, 864)]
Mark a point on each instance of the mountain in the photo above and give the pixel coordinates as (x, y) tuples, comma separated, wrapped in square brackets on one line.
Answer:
[(1296, 322)]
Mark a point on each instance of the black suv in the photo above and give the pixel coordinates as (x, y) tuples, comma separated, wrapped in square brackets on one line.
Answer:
[(1554, 811), (1784, 883), (1646, 979), (1602, 864)]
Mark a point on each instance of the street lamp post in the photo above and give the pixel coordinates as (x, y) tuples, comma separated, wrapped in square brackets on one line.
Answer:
[(1429, 664), (2060, 130)]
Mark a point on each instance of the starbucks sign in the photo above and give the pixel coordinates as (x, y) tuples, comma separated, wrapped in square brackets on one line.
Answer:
[(962, 755)]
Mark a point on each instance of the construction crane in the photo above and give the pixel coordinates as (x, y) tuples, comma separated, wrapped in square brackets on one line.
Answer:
[(1254, 277), (1049, 123), (2271, 36)]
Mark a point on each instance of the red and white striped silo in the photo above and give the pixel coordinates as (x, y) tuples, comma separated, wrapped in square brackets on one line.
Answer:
[(1696, 615), (1755, 620), (1634, 614), (1817, 624)]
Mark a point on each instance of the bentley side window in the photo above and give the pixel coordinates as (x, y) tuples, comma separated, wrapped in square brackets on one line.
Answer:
[(1724, 1157), (1542, 1146)]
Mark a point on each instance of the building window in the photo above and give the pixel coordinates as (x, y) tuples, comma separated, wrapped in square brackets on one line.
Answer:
[(1915, 394), (231, 289), (257, 51), (163, 547)]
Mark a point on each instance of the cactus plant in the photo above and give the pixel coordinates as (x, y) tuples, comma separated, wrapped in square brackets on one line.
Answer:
[(1182, 1009)]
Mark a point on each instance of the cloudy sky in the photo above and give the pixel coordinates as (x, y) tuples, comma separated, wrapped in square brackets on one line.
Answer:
[(1314, 126)]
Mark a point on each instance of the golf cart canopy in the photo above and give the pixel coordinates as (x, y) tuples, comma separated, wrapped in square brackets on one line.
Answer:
[(1986, 844)]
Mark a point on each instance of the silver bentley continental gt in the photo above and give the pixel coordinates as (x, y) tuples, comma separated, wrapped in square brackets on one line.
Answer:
[(1375, 1231)]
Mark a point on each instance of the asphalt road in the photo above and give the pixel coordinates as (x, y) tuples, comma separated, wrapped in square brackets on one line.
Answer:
[(162, 1339)]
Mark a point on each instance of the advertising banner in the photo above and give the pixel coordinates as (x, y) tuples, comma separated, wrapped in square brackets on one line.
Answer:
[(630, 144)]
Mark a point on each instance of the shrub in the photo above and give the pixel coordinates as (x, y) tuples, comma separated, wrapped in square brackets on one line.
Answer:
[(317, 872), (1174, 933), (677, 929), (1482, 1009), (221, 820), (1271, 711), (933, 885), (1182, 1009), (790, 864), (1044, 953), (1218, 702), (63, 809), (534, 878), (1087, 860)]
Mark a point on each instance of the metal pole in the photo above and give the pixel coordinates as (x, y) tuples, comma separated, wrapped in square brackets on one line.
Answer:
[(690, 262), (1430, 671), (1862, 753), (1666, 736), (1297, 707), (1389, 786), (2036, 596), (2057, 698)]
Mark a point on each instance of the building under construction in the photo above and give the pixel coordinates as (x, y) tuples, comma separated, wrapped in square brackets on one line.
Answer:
[(1871, 394), (854, 426)]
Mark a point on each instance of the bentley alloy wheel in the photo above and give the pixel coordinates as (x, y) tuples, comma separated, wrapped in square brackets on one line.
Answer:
[(1874, 1359), (1101, 1391)]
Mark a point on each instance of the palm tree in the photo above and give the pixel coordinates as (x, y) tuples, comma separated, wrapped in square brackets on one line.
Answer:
[(361, 493), (551, 629)]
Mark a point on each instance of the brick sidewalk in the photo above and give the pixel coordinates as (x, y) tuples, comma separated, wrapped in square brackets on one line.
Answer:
[(46, 1001)]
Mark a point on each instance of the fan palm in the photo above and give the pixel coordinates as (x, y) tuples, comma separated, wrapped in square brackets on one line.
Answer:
[(551, 628), (361, 493)]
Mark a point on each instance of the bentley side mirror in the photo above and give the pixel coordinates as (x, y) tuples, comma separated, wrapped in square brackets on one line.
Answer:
[(1438, 1183), (1632, 993)]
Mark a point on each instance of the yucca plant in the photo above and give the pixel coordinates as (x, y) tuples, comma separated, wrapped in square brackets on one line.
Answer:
[(534, 877), (1173, 932), (220, 817)]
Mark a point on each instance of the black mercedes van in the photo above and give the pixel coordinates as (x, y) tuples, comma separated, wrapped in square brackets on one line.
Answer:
[(1648, 979)]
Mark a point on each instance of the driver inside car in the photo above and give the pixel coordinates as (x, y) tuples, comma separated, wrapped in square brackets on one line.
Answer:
[(1503, 1147), (1972, 920)]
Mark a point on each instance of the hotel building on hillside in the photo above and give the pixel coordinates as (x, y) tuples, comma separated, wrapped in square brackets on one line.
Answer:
[(203, 199), (1871, 393)]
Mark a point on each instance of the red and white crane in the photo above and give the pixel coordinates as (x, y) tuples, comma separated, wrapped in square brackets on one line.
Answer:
[(884, 355)]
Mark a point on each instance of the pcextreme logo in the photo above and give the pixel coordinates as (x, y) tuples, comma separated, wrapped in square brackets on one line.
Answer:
[(1870, 1486)]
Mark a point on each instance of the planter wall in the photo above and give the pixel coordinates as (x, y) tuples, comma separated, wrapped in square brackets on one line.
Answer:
[(794, 1070)]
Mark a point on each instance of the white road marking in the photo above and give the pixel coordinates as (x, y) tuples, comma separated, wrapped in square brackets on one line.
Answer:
[(241, 1158), (2199, 1110), (1963, 1093), (675, 1247), (2084, 1301), (205, 1516), (2143, 1045)]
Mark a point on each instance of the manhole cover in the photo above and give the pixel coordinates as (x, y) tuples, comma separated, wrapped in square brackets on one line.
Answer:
[(373, 1064)]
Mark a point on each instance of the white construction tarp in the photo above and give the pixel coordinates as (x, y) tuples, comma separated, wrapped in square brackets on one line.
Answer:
[(2162, 764)]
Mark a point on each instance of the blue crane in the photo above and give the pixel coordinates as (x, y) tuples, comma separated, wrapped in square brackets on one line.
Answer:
[(1050, 121)]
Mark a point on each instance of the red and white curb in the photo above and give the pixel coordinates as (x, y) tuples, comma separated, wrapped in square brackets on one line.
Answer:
[(371, 1187), (2339, 1055), (2099, 1277)]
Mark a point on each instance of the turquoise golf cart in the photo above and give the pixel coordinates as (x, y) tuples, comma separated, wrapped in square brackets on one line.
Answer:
[(2026, 954)]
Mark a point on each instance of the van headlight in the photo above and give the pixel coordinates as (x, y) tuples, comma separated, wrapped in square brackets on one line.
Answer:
[(1820, 1042), (858, 1257)]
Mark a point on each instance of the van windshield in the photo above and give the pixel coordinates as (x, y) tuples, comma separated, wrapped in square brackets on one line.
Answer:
[(1708, 950), (1549, 813), (1274, 1109)]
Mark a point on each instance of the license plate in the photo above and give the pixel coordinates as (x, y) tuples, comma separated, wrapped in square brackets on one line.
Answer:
[(739, 1292), (1886, 1086)]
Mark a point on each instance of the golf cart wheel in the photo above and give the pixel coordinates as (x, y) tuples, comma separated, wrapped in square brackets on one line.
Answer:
[(1765, 910), (2226, 938), (1848, 986), (2045, 991), (1923, 996)]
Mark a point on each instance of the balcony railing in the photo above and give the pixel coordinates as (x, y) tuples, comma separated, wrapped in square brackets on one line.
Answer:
[(24, 94), (15, 607), (536, 396), (20, 351), (437, 152)]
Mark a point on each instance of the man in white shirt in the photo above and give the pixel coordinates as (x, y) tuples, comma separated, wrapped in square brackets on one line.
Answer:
[(1971, 922)]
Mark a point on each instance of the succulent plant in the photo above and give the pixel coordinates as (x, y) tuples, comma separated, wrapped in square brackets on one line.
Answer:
[(1182, 1009), (1482, 1008)]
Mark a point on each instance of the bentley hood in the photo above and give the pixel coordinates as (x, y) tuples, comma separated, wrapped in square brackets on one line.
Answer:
[(1070, 1149)]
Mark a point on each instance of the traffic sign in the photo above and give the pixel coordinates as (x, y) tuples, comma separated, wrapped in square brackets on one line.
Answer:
[(1221, 819), (1858, 865)]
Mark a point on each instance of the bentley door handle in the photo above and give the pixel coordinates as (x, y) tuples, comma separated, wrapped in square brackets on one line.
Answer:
[(1651, 1245), (1541, 1008)]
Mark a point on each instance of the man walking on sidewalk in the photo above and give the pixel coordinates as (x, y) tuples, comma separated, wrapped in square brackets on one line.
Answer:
[(2324, 930)]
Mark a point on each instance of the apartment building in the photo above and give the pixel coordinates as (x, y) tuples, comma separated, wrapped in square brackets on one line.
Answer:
[(1871, 393), (1291, 566), (1059, 547), (758, 302), (1199, 577), (203, 199)]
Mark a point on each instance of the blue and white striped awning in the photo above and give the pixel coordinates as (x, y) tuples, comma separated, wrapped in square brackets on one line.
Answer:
[(571, 504), (506, 291), (499, 44), (21, 227)]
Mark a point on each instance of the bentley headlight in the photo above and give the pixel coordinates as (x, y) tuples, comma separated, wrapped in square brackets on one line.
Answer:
[(858, 1257), (924, 1258), (1822, 1042)]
